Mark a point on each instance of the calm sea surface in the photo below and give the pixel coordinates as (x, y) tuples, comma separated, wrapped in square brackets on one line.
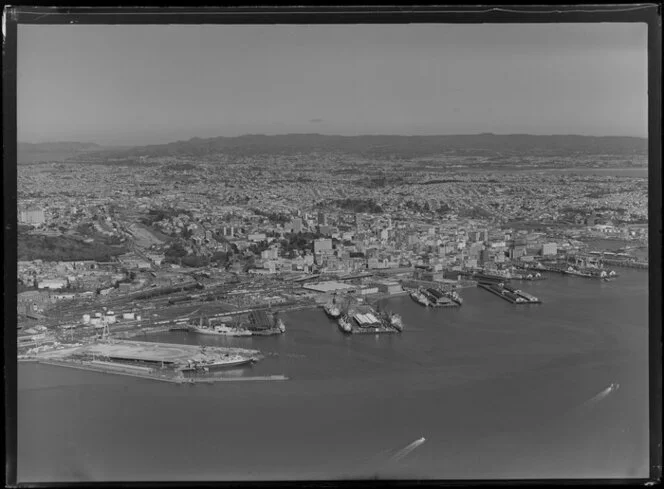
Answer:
[(497, 390)]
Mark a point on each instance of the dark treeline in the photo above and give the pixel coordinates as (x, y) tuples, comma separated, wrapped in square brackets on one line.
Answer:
[(359, 206), (62, 248)]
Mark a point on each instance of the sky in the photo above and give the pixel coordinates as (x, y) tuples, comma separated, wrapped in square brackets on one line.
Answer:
[(134, 85)]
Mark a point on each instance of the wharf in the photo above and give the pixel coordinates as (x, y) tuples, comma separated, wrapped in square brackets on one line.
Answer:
[(446, 302), (595, 276), (626, 264), (373, 330), (156, 361), (510, 296), (525, 278), (130, 371), (494, 291)]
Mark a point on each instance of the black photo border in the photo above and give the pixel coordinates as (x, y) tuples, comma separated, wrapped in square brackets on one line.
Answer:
[(648, 13)]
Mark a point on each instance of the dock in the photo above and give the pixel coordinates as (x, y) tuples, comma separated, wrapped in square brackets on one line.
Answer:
[(364, 319), (106, 367), (149, 360), (512, 296), (373, 330)]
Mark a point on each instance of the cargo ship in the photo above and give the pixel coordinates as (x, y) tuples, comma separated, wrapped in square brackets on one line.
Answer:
[(206, 365), (220, 330), (258, 323), (420, 298)]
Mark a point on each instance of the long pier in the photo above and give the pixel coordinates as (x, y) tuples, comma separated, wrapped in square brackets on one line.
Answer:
[(372, 330), (512, 297), (132, 371)]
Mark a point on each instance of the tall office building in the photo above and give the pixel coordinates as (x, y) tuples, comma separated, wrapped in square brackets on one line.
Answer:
[(32, 216)]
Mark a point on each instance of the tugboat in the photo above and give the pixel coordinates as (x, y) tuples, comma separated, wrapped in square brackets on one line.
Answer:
[(345, 324)]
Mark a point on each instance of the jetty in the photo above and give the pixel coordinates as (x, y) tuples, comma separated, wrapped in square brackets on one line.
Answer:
[(510, 294), (150, 360)]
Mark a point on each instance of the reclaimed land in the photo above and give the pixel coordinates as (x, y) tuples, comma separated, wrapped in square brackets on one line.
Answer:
[(147, 356)]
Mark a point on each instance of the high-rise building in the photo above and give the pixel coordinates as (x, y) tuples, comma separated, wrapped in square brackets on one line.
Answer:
[(549, 249), (323, 245), (32, 216)]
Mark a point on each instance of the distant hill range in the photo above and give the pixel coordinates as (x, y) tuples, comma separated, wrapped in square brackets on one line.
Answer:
[(398, 146), (56, 151)]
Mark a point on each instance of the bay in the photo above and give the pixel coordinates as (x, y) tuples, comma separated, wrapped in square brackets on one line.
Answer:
[(496, 390)]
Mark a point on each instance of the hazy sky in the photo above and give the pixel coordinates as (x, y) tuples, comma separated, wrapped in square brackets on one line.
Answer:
[(152, 84)]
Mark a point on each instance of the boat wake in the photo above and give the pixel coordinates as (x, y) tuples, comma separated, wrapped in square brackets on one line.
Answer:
[(593, 401), (400, 454), (384, 460)]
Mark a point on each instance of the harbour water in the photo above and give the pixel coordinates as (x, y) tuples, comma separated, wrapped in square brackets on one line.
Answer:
[(496, 390)]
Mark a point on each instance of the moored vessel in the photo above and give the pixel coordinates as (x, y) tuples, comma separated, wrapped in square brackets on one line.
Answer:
[(345, 324), (205, 365), (419, 297), (332, 311), (220, 329)]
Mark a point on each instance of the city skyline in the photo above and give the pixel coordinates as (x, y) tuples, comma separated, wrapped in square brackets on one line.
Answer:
[(135, 85)]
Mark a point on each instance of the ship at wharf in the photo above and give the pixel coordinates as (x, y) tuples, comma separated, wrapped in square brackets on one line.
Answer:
[(583, 272), (359, 318), (439, 298), (256, 322)]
